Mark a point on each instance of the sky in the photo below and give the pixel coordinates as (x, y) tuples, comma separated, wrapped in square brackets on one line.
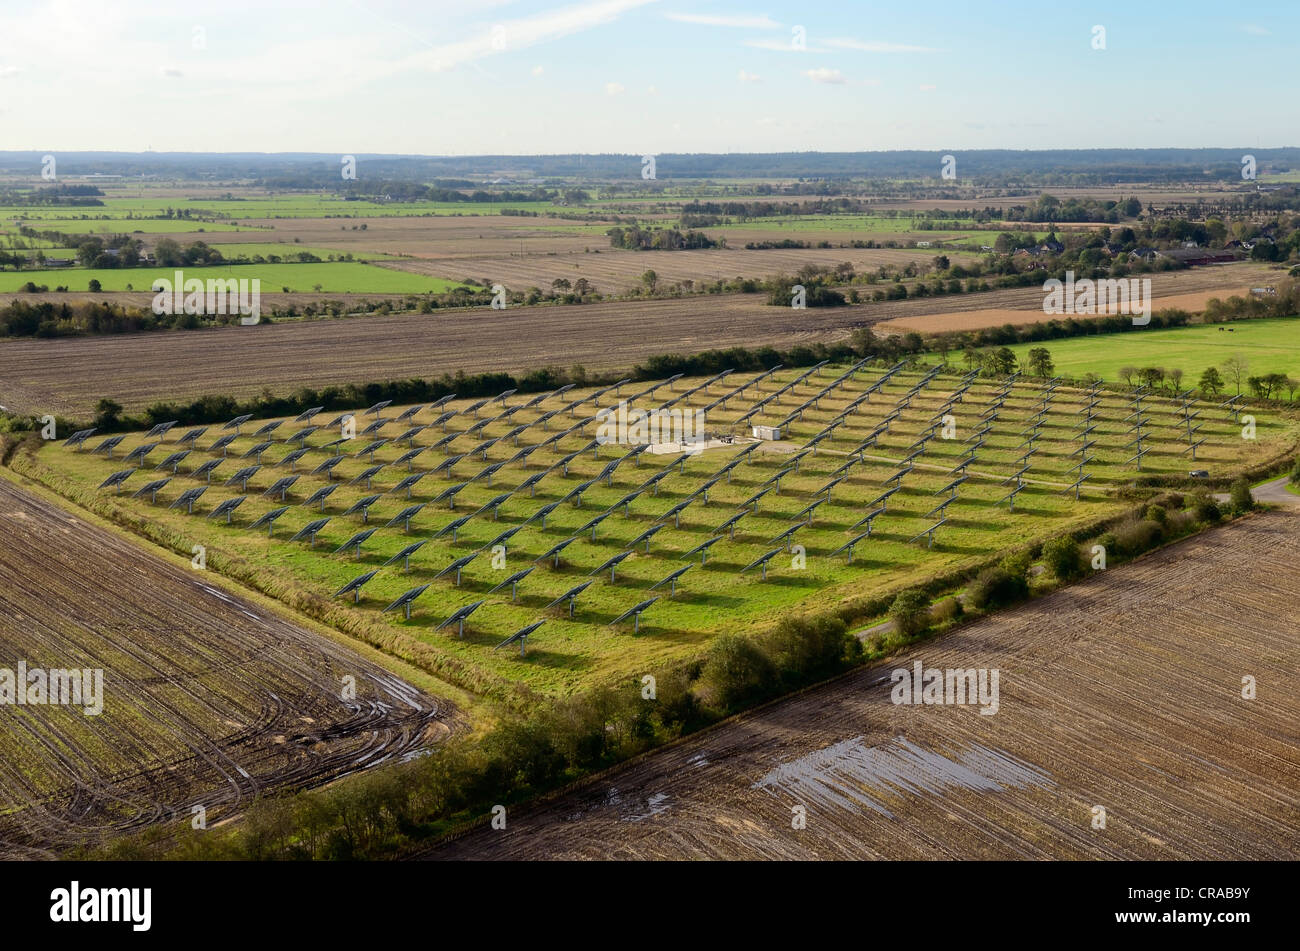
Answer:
[(644, 76)]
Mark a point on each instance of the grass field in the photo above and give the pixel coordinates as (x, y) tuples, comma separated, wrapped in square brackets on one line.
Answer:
[(336, 277), (714, 598), (1268, 346)]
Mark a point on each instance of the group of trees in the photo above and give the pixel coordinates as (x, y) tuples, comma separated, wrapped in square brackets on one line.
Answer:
[(635, 238)]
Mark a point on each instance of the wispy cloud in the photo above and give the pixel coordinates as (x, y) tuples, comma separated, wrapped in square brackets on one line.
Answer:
[(523, 33), (760, 22), (1255, 30), (831, 76), (749, 77), (877, 46), (615, 89), (781, 46)]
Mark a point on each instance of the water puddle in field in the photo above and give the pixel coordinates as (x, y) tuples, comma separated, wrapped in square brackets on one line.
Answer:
[(851, 774)]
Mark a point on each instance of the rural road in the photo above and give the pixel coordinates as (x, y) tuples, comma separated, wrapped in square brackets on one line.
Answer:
[(1272, 493)]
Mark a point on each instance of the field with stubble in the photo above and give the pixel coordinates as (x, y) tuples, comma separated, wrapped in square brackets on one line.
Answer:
[(1122, 692), (209, 700)]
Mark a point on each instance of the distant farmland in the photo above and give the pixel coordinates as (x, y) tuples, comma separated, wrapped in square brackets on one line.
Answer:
[(337, 277)]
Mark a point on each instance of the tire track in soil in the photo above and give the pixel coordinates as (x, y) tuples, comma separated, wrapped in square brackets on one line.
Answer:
[(208, 700)]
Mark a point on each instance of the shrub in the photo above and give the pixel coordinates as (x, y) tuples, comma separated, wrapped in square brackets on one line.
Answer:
[(736, 672), (1241, 499), (910, 613), (805, 648), (996, 587), (1157, 514), (1062, 557), (1205, 508), (1137, 535), (945, 611)]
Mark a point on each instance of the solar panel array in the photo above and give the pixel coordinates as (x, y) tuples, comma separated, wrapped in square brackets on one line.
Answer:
[(862, 433)]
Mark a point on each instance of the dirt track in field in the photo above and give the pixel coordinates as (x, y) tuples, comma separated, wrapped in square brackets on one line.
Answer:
[(207, 700), (1122, 692)]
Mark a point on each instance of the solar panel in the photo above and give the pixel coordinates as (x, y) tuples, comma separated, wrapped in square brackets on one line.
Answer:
[(458, 617), (160, 430), (442, 401), (222, 444), (408, 483), (592, 523), (762, 562), (675, 513), (374, 427), (362, 505), (671, 581), (367, 475), (409, 435), (205, 471), (281, 486), (328, 467), (405, 516), (354, 543), (243, 475), (504, 537), (191, 436), (451, 528), (784, 538), (187, 499), (257, 451), (520, 636), (306, 415), (404, 600), (227, 508), (319, 496), (301, 435), (611, 564), (173, 461), (634, 613), (513, 583), (353, 587), (493, 504), (404, 556), (409, 457), (238, 421), (702, 549), (78, 438), (457, 566), (269, 428), (116, 480), (928, 533), (645, 536), (446, 464), (151, 489), (554, 551), (570, 596), (753, 499), (848, 546), (372, 447), (450, 494), (107, 446), (268, 519), (310, 530), (408, 413)]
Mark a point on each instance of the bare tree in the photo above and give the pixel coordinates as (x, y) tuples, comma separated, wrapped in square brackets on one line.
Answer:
[(1235, 368)]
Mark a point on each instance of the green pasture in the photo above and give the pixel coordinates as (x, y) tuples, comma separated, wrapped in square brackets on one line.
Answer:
[(1267, 346)]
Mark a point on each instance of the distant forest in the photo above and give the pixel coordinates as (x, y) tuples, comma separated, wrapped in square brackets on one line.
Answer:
[(984, 166)]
